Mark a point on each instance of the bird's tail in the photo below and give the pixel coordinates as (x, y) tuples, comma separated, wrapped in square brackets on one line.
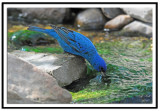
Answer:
[(34, 28)]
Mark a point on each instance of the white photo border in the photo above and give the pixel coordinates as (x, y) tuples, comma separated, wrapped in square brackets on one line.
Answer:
[(6, 5)]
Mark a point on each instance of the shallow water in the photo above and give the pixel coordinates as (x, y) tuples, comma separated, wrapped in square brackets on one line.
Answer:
[(129, 69)]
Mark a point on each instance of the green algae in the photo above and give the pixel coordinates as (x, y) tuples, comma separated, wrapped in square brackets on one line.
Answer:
[(26, 37), (125, 83), (43, 49)]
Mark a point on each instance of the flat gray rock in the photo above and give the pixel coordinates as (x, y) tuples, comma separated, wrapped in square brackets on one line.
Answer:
[(27, 85), (143, 14), (65, 68)]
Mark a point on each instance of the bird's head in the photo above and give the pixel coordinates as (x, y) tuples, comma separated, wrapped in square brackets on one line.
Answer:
[(100, 65)]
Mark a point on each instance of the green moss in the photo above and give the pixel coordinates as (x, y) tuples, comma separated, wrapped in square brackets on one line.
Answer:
[(10, 35), (127, 60), (146, 52), (27, 37), (103, 49), (43, 49), (146, 59), (125, 83), (149, 59), (141, 59), (90, 92), (88, 95), (108, 95)]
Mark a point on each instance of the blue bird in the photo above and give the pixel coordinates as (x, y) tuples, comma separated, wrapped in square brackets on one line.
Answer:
[(75, 43)]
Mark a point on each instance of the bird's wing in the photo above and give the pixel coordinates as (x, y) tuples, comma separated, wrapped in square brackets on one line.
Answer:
[(67, 36)]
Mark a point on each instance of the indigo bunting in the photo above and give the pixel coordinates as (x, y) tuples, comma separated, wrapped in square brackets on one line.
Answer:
[(76, 44)]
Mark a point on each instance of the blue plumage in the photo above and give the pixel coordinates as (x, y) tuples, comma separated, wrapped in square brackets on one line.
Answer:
[(75, 43)]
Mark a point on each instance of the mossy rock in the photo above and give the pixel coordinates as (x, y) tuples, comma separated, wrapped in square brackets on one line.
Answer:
[(26, 37), (43, 49)]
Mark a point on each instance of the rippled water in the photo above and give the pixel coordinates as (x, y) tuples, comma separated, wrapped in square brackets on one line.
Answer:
[(130, 71)]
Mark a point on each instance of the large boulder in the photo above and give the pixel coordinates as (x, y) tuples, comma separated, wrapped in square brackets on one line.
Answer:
[(51, 15), (137, 26), (64, 68), (112, 12), (118, 22), (90, 19), (143, 14), (27, 84)]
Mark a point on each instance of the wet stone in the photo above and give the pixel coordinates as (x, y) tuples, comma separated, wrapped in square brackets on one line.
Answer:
[(118, 22), (90, 19), (112, 12)]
